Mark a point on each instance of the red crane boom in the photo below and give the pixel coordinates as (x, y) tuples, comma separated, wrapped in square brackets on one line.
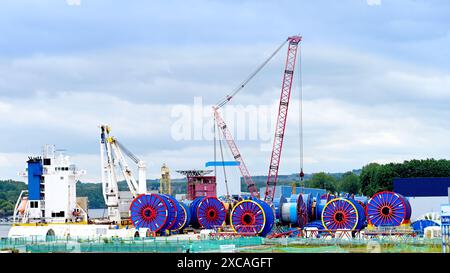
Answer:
[(282, 117), (236, 154)]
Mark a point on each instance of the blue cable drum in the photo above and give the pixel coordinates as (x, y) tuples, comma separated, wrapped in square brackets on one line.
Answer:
[(252, 216), (362, 200), (315, 224), (184, 217), (388, 208), (308, 200), (408, 208), (314, 201), (289, 213), (303, 201), (323, 200), (278, 203), (248, 216), (193, 211), (343, 213), (420, 225), (179, 214), (270, 217), (172, 210), (149, 211), (211, 213)]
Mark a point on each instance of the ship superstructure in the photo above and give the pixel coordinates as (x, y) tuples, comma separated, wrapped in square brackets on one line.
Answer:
[(51, 195)]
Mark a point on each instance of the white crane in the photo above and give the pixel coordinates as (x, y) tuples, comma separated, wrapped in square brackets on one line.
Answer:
[(112, 156)]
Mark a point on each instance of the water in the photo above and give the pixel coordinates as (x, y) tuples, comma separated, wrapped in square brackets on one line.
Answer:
[(4, 228), (93, 213)]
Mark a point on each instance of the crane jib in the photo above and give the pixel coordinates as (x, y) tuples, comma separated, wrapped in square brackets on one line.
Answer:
[(281, 118)]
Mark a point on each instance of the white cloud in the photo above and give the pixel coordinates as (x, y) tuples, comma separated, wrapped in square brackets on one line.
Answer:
[(373, 2), (359, 106), (73, 2)]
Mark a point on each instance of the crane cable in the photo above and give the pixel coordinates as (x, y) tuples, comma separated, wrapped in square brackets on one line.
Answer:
[(223, 166), (251, 76), (300, 106)]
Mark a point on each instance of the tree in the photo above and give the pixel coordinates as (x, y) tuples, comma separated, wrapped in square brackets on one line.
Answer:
[(375, 177), (323, 181), (367, 178), (349, 183)]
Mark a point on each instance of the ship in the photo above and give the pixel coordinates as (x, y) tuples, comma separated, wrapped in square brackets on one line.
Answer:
[(50, 206)]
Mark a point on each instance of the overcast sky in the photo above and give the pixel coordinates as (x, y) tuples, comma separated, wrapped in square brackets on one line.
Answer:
[(375, 79)]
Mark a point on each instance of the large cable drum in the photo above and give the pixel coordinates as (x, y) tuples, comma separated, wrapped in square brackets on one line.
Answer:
[(193, 211), (362, 200), (179, 217), (270, 217), (184, 217), (388, 208), (278, 204), (320, 204), (211, 213), (252, 216), (343, 213), (315, 224), (172, 210), (149, 211), (295, 212), (312, 213)]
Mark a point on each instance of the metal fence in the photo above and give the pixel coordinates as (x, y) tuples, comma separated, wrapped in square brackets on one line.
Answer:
[(148, 245), (245, 244)]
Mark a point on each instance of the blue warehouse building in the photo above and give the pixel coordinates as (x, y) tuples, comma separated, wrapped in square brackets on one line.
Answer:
[(286, 191), (426, 194)]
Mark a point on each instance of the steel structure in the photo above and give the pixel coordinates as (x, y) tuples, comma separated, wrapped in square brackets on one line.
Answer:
[(112, 156), (288, 76), (236, 154), (280, 127)]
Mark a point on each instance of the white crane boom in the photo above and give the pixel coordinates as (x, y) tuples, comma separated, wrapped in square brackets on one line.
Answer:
[(111, 156)]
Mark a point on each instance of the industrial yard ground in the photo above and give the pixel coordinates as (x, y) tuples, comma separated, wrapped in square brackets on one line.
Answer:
[(191, 244)]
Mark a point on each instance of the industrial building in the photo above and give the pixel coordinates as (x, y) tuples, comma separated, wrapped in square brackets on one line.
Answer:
[(425, 194), (288, 191)]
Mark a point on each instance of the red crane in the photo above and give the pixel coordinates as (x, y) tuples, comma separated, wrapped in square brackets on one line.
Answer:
[(236, 154), (286, 87), (281, 121)]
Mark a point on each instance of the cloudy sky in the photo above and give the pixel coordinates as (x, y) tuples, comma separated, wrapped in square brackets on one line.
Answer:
[(375, 79)]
